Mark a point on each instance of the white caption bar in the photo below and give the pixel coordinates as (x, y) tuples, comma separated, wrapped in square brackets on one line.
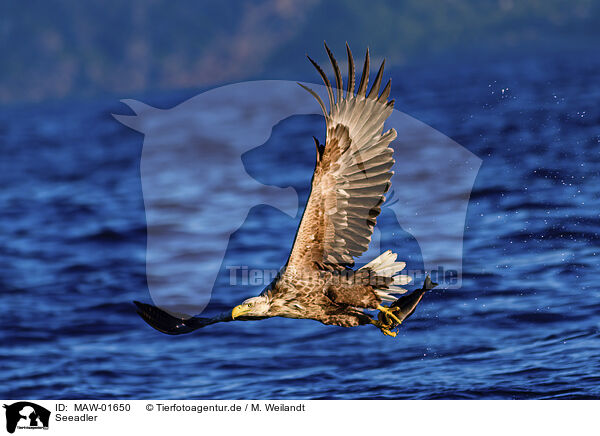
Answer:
[(161, 417)]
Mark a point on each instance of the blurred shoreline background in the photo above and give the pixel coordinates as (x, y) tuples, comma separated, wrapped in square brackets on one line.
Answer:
[(65, 49)]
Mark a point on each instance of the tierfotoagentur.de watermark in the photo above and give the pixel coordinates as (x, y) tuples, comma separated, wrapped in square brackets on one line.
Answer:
[(243, 275)]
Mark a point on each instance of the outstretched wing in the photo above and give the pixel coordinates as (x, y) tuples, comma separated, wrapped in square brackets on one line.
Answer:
[(171, 325), (352, 172)]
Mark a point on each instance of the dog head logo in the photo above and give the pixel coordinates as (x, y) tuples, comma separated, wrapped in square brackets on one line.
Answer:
[(26, 415)]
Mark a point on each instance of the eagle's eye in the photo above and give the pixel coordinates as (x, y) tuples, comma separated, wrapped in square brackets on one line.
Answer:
[(250, 304)]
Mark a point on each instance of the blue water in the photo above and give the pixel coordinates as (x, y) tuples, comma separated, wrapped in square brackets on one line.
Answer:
[(524, 324)]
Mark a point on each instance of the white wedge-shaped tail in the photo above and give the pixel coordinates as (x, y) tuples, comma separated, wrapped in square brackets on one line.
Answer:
[(385, 265)]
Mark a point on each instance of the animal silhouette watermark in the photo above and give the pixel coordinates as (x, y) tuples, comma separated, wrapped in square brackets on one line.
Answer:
[(25, 415), (197, 192)]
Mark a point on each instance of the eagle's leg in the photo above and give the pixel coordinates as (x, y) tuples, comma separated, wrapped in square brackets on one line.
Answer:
[(389, 312), (383, 327)]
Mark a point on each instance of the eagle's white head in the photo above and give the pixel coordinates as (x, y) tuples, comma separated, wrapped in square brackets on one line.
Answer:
[(252, 308)]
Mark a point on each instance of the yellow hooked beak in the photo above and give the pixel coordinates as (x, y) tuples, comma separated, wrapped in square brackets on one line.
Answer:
[(239, 311)]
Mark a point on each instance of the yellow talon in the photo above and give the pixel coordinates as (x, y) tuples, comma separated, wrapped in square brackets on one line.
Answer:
[(389, 313), (389, 333), (384, 328)]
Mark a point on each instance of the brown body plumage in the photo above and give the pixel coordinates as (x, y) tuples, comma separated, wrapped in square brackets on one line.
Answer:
[(352, 174), (331, 297)]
